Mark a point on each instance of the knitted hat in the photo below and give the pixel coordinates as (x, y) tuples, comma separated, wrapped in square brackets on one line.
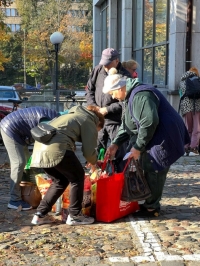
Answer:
[(113, 81)]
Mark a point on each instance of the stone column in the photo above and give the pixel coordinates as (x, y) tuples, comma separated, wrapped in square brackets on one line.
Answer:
[(127, 30), (112, 40), (96, 32), (195, 57), (177, 44)]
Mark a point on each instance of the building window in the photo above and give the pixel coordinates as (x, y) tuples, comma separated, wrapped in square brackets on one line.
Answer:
[(10, 12), (14, 27), (151, 39), (104, 24)]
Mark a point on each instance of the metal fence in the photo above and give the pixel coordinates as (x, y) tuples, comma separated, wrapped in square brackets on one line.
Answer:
[(47, 98)]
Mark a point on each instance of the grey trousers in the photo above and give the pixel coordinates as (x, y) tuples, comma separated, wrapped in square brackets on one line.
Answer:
[(18, 155)]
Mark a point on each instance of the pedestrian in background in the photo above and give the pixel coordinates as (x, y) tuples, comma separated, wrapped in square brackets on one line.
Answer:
[(191, 114), (156, 131), (16, 135), (110, 108), (59, 161), (131, 65)]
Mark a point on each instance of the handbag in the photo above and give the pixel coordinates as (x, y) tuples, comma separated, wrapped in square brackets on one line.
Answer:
[(109, 206), (43, 132), (135, 185), (30, 193)]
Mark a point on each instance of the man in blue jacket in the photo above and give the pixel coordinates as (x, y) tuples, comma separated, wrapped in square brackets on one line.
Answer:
[(16, 135)]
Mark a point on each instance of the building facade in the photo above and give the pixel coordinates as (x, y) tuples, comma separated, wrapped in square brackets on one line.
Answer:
[(161, 35), (12, 18)]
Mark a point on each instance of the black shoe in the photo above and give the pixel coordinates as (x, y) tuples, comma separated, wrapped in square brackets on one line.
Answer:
[(143, 212)]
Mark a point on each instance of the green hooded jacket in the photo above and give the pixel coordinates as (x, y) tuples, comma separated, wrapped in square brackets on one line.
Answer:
[(145, 106), (79, 125)]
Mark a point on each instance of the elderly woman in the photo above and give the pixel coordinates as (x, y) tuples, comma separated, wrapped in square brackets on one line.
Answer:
[(156, 131), (131, 65), (58, 159)]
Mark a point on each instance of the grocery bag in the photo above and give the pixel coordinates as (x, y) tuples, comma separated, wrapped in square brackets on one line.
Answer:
[(135, 185), (86, 203), (109, 206), (43, 183)]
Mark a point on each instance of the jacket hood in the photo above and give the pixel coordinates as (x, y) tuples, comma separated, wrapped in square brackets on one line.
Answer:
[(131, 84), (188, 74), (83, 110)]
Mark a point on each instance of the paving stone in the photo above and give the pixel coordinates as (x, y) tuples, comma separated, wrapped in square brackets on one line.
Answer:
[(172, 263), (149, 264), (88, 260), (193, 263)]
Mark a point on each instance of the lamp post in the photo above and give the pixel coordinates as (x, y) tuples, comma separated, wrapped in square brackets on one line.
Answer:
[(56, 38)]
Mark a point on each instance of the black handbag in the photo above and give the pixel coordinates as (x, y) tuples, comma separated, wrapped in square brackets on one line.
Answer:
[(43, 132), (135, 184)]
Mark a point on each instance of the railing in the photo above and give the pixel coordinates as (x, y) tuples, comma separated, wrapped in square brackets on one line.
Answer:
[(46, 98)]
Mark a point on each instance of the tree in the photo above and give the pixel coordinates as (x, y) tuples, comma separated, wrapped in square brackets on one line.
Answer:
[(4, 38), (5, 2), (50, 16), (12, 50)]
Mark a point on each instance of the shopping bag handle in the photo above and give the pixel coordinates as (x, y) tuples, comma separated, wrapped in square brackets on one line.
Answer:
[(126, 165), (103, 166), (136, 163)]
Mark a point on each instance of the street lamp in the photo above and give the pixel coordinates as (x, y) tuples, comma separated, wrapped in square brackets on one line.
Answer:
[(56, 38)]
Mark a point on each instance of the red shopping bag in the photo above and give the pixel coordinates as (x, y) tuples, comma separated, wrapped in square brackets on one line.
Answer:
[(109, 206)]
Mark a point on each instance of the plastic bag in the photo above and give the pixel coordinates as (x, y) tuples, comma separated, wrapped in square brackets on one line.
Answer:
[(135, 185)]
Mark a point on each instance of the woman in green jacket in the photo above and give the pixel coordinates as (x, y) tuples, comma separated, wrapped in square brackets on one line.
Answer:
[(58, 159)]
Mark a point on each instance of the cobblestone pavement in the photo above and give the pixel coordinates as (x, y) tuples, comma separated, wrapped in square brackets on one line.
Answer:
[(173, 239)]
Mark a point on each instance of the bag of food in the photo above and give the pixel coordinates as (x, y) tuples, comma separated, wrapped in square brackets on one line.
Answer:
[(30, 193), (135, 185), (109, 206), (43, 183), (86, 204)]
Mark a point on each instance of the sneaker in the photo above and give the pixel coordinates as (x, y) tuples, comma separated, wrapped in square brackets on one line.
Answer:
[(194, 152), (187, 151), (143, 212), (38, 219), (79, 220), (16, 204)]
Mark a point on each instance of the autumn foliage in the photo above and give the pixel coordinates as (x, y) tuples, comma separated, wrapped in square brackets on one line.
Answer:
[(4, 37)]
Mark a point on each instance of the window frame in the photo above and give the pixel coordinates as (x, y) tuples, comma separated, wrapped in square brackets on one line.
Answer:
[(136, 51)]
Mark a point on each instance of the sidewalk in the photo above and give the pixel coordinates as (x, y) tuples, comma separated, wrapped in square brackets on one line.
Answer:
[(173, 239)]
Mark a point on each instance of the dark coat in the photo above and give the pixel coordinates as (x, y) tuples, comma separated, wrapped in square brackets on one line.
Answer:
[(170, 136), (17, 125), (95, 96)]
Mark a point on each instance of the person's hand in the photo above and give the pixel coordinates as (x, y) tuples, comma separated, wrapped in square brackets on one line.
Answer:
[(134, 154), (103, 110), (111, 150)]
